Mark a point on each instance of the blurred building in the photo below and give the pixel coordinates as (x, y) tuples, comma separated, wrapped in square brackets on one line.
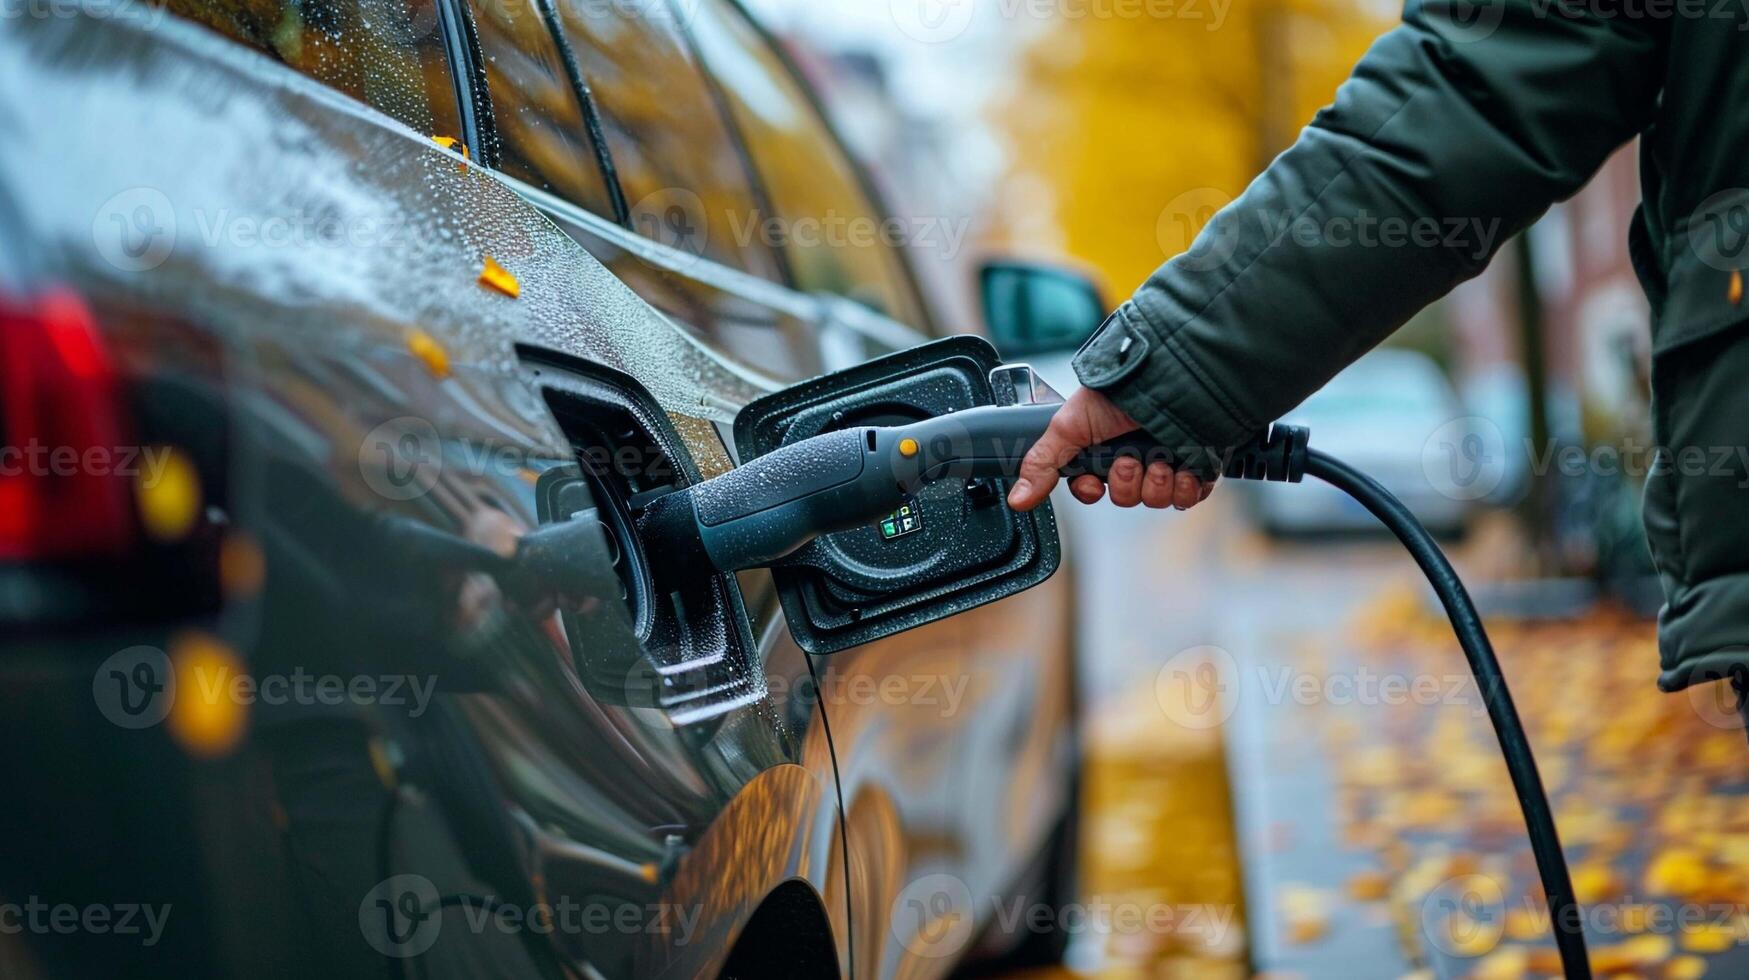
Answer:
[(1595, 314)]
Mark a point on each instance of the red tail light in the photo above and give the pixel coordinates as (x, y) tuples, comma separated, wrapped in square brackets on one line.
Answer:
[(64, 485)]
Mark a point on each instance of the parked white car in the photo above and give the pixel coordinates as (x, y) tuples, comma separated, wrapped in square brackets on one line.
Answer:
[(1389, 414)]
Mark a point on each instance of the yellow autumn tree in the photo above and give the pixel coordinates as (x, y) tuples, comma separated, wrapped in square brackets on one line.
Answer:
[(1128, 124), (1124, 134)]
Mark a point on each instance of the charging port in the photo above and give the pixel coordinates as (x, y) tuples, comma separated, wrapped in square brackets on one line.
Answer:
[(687, 619)]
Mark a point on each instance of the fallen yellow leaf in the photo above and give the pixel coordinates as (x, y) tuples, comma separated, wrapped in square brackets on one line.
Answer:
[(495, 276), (1685, 968), (1708, 938)]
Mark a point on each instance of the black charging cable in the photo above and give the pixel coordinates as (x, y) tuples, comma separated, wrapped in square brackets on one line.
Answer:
[(763, 510), (1283, 455)]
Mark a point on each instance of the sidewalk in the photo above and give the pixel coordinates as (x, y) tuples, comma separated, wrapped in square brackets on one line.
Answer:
[(1647, 789), (1355, 795)]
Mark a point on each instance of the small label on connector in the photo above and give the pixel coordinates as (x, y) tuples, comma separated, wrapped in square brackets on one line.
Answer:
[(903, 521)]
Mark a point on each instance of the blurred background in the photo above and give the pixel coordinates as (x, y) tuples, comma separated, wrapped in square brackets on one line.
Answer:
[(1286, 751)]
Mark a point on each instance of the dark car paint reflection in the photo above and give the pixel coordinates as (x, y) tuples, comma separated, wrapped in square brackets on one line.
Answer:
[(429, 837)]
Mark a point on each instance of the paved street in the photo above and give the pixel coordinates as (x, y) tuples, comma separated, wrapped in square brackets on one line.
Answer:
[(1289, 729), (1181, 595)]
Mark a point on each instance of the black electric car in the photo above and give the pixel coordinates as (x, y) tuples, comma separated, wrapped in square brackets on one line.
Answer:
[(312, 314)]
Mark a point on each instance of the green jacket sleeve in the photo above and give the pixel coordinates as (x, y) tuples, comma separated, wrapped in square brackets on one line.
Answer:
[(1455, 131)]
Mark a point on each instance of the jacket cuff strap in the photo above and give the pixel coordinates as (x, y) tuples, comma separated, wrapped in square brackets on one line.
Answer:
[(1126, 361)]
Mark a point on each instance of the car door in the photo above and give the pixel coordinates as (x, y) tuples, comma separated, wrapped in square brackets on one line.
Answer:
[(415, 396), (700, 249), (963, 727), (954, 741), (685, 736), (418, 376)]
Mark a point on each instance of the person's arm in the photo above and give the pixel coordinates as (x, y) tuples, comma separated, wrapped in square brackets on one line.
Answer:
[(1456, 131)]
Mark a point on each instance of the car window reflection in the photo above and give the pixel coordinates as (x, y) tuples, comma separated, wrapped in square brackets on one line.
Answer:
[(833, 237), (385, 53), (542, 137), (683, 177)]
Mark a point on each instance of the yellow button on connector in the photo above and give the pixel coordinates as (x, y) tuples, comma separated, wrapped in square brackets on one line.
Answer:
[(907, 447)]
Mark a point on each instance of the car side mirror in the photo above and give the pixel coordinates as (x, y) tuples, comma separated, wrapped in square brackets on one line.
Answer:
[(1038, 309)]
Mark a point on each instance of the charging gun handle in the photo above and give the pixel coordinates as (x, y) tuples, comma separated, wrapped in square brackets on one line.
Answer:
[(991, 442), (1278, 454), (1137, 445)]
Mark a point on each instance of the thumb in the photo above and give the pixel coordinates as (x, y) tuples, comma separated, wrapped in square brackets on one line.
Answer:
[(1068, 433)]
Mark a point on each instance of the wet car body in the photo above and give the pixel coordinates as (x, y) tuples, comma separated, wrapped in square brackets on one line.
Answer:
[(291, 288)]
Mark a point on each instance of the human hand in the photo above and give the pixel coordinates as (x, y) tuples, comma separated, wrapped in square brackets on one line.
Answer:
[(1087, 419)]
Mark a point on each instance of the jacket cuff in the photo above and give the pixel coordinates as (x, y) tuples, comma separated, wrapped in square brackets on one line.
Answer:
[(1127, 361)]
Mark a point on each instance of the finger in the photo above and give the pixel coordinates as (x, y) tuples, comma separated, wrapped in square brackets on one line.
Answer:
[(1186, 491), (1087, 489), (1125, 481), (1038, 470), (1207, 488), (1157, 486)]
